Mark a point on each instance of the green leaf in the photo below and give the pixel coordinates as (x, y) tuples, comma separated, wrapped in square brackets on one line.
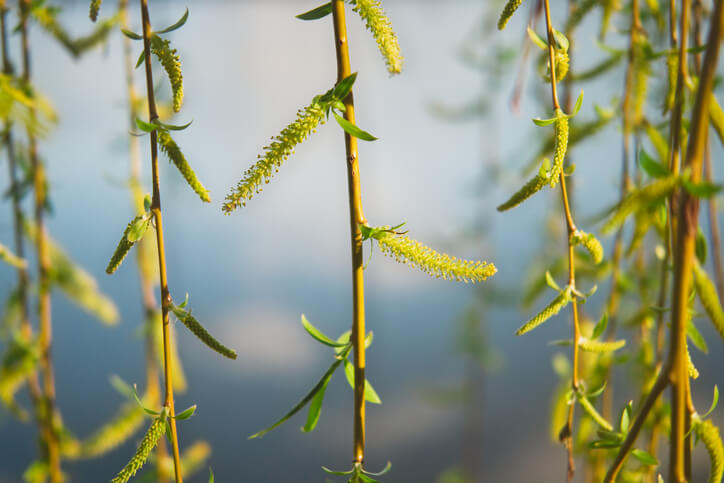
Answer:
[(696, 338), (131, 35), (211, 475), (138, 401), (337, 473), (561, 40), (180, 23), (625, 422), (577, 106), (591, 411), (185, 414), (315, 408), (700, 246), (146, 126), (600, 326), (544, 122), (322, 383), (342, 89), (172, 127), (147, 203), (370, 393), (316, 13), (318, 335), (141, 58), (537, 39), (714, 402), (138, 228), (353, 130), (644, 457), (383, 472), (702, 189), (652, 167)]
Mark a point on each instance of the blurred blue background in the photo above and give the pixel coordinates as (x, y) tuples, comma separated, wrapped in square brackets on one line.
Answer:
[(248, 67)]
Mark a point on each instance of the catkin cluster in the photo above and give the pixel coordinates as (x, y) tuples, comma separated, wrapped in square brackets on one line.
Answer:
[(150, 440), (559, 148), (200, 331), (171, 149), (172, 65), (124, 246), (377, 22), (440, 265), (528, 190), (549, 311), (275, 154)]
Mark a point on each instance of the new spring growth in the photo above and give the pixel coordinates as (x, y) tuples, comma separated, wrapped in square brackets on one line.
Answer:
[(589, 241), (10, 258), (282, 145), (134, 232), (171, 63), (377, 22), (709, 435), (510, 7), (560, 48), (149, 441), (95, 7), (411, 252), (709, 299), (199, 330), (640, 198)]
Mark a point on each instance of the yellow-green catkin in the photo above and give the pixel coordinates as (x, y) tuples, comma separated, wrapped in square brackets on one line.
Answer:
[(379, 24), (10, 258), (549, 311), (690, 367), (510, 7), (171, 149), (95, 7), (124, 246), (440, 265), (281, 147), (709, 435), (200, 331), (638, 199), (529, 189), (716, 115), (172, 65), (562, 64), (709, 299), (113, 434), (95, 38), (150, 440), (559, 148), (600, 347), (672, 62), (591, 411), (590, 242)]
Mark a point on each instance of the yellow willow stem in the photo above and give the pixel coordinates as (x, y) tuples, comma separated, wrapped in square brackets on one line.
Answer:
[(48, 411), (156, 211), (153, 390), (356, 217)]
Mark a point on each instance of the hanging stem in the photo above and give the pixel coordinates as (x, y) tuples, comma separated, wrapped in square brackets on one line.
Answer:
[(356, 216), (48, 411), (153, 390), (156, 210)]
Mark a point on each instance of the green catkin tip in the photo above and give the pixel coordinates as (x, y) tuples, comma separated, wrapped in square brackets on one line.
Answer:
[(709, 299), (171, 149), (379, 24), (439, 265), (549, 311), (562, 64), (600, 347), (591, 411), (150, 440), (709, 435), (124, 246), (281, 147), (590, 242), (638, 198), (95, 7), (528, 190), (559, 148), (508, 12), (172, 65), (199, 331)]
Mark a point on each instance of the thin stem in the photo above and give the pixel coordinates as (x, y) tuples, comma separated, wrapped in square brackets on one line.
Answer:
[(156, 210), (551, 55), (356, 217), (150, 306), (45, 335)]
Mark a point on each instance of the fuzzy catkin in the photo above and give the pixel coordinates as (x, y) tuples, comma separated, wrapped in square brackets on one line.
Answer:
[(709, 435), (510, 7), (95, 7), (124, 246), (116, 432), (709, 299), (591, 411), (379, 24), (200, 331), (637, 199), (171, 149), (600, 347), (690, 367), (590, 242), (172, 65), (559, 148), (150, 440), (439, 265), (281, 147), (528, 190), (549, 311)]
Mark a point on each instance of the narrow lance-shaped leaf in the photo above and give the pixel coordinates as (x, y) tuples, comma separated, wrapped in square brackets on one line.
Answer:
[(169, 146), (150, 440), (379, 24), (440, 265), (199, 331), (370, 393), (315, 408), (318, 335), (709, 435), (352, 129), (321, 384), (171, 63), (549, 311), (276, 153), (316, 13), (134, 232), (709, 299)]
